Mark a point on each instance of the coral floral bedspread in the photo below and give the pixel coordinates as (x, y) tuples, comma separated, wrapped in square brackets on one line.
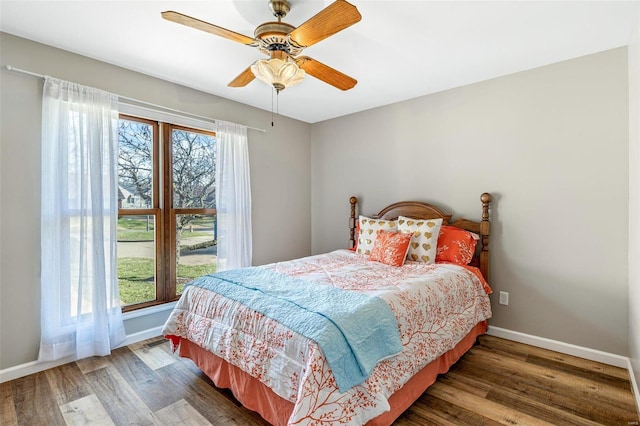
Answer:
[(435, 305)]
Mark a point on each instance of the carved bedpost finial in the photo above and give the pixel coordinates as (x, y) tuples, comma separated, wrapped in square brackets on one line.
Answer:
[(486, 200), (352, 222), (484, 234)]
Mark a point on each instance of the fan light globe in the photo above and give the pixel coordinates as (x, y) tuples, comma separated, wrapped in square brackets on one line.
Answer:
[(278, 73)]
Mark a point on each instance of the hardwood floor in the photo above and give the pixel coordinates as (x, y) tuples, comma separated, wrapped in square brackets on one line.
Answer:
[(496, 382)]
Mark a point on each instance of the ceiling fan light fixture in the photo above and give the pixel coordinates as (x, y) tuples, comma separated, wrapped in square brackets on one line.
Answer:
[(278, 73)]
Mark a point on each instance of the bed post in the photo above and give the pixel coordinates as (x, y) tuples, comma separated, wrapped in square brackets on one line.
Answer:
[(484, 235), (352, 222)]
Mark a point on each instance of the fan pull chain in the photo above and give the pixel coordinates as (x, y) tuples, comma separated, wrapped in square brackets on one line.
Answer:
[(277, 104)]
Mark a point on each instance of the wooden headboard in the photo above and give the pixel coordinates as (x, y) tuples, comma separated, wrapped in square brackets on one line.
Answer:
[(420, 210)]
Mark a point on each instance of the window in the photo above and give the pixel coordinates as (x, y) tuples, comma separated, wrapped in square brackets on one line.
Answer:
[(166, 212)]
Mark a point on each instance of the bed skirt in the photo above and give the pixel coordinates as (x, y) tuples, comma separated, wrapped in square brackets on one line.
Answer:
[(256, 396)]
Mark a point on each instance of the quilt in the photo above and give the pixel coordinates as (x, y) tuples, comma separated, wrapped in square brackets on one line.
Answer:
[(354, 330)]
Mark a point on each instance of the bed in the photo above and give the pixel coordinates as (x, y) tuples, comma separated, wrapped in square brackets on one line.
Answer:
[(415, 320)]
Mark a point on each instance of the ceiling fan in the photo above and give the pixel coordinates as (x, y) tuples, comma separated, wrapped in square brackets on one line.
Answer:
[(283, 43)]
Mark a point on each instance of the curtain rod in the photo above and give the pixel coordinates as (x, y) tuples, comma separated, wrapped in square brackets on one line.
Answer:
[(138, 101)]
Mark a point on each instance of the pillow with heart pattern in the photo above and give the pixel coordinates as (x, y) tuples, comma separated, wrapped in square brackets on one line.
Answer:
[(424, 241)]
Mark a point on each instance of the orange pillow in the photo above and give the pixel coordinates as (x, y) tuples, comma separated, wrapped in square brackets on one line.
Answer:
[(455, 245), (390, 247)]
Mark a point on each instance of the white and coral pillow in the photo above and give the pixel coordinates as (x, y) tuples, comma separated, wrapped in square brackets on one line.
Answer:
[(390, 247), (368, 232), (425, 237)]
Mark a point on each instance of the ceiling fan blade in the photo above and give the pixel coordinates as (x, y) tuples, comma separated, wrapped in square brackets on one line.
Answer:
[(326, 73), (207, 27), (244, 78), (330, 20)]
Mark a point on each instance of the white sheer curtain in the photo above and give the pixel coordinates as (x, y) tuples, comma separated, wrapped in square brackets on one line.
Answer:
[(233, 197), (81, 313)]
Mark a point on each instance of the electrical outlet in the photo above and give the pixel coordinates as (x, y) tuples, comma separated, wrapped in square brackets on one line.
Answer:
[(504, 298)]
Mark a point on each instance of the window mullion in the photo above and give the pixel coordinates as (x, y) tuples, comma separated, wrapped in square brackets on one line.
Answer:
[(168, 242)]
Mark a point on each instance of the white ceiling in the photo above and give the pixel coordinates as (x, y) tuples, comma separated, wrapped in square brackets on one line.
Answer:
[(399, 50)]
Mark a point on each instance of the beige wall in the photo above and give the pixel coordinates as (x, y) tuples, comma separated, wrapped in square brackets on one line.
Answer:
[(550, 144), (280, 177), (634, 203)]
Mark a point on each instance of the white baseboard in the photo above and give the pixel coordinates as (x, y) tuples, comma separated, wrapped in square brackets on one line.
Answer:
[(140, 336), (33, 367), (565, 348)]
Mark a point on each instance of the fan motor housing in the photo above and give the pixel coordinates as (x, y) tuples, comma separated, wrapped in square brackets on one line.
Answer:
[(273, 29), (273, 36)]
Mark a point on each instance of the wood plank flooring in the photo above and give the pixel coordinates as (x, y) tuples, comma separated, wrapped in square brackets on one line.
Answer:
[(498, 382)]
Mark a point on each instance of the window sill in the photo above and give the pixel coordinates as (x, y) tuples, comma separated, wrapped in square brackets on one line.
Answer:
[(148, 311)]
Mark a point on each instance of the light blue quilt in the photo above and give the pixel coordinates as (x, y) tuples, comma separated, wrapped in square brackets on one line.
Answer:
[(355, 331)]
